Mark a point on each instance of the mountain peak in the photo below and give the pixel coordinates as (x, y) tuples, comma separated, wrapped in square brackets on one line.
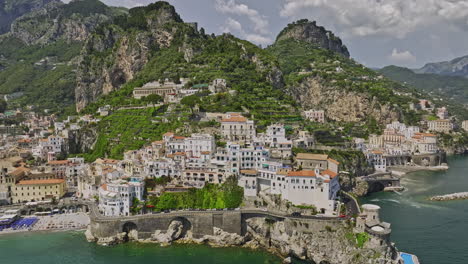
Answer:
[(308, 31), (455, 67)]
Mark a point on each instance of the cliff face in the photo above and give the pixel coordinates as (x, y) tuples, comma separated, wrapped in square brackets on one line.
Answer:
[(114, 55), (303, 30), (13, 9), (339, 104), (57, 21)]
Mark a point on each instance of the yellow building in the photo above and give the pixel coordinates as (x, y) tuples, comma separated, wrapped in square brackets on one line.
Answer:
[(38, 190)]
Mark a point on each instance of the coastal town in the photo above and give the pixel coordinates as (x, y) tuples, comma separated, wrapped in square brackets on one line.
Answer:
[(129, 134), (36, 173)]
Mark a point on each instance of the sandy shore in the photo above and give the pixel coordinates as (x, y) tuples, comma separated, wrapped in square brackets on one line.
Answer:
[(59, 222)]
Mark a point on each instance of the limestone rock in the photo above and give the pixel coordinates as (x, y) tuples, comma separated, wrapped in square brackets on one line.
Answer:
[(173, 233), (304, 30), (341, 105)]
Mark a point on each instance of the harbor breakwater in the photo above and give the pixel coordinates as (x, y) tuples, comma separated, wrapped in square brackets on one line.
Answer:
[(450, 197)]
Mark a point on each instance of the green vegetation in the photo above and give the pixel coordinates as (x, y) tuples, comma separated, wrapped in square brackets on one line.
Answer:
[(358, 239), (332, 69), (449, 88), (50, 83), (361, 239), (226, 195), (129, 130)]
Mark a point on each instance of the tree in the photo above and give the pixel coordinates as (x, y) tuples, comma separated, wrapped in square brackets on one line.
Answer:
[(190, 101), (3, 105), (153, 98)]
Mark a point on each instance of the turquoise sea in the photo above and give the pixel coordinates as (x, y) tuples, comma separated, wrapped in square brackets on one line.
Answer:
[(72, 248), (437, 232)]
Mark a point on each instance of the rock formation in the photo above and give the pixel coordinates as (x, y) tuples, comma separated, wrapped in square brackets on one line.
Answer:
[(304, 30), (13, 9), (113, 57), (340, 104), (52, 22)]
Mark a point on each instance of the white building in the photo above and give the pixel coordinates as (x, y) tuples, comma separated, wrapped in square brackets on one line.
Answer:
[(198, 143), (315, 115), (376, 158), (442, 113), (465, 125), (237, 128), (441, 125), (424, 143), (116, 198), (312, 188), (306, 187)]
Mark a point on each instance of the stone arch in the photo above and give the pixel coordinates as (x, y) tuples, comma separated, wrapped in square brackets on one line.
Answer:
[(127, 228), (376, 186)]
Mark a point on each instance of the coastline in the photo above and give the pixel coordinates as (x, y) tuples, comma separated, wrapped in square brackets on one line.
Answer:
[(18, 232)]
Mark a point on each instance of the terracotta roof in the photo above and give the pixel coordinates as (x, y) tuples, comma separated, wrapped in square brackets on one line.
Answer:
[(41, 182), (330, 173), (179, 154), (205, 152), (235, 119), (19, 171), (179, 137), (309, 156), (250, 172), (168, 134), (104, 187), (334, 161), (427, 135), (303, 173), (110, 161), (58, 162), (377, 152)]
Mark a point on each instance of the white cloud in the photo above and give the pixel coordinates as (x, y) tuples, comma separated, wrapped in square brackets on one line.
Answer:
[(260, 22), (232, 25), (394, 18), (401, 57), (235, 27)]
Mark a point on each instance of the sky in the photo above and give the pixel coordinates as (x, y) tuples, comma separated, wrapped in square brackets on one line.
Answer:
[(378, 33)]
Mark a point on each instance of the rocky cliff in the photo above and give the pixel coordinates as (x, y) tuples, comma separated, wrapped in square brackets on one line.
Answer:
[(56, 21), (13, 9), (304, 30), (117, 52), (324, 242), (340, 104)]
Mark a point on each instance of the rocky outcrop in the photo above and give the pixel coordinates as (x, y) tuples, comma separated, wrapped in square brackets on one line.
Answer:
[(13, 9), (173, 232), (341, 105), (304, 30), (83, 140), (52, 23)]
